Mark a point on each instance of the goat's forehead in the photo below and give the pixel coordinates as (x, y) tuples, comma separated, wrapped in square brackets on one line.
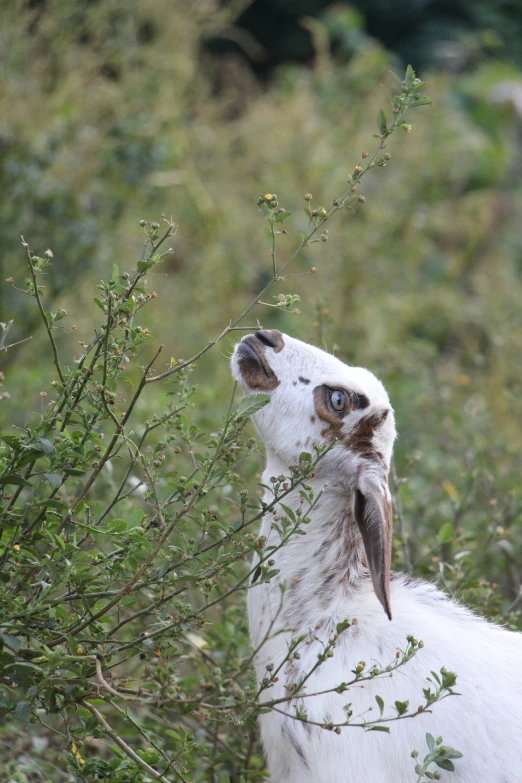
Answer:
[(322, 367)]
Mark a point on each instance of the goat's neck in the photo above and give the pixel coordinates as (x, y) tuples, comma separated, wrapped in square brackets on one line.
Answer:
[(329, 560)]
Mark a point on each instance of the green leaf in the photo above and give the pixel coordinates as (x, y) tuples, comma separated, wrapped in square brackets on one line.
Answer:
[(116, 526), (381, 122), (451, 753), (99, 302), (21, 666), (410, 76), (143, 266), (45, 445), (445, 764), (54, 480), (251, 404), (12, 440), (17, 481), (430, 742), (380, 702), (420, 100), (135, 519), (379, 728), (445, 534), (224, 779), (11, 641), (402, 707), (281, 217), (22, 711)]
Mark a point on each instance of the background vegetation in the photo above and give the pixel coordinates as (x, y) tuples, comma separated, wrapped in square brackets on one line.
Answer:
[(112, 114)]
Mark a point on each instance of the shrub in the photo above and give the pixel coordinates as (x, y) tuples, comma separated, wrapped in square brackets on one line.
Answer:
[(125, 543)]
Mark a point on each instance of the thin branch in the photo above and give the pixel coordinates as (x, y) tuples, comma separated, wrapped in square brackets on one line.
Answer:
[(42, 311), (122, 744)]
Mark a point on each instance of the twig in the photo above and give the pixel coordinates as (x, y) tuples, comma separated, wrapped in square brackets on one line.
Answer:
[(42, 312), (5, 329), (121, 743)]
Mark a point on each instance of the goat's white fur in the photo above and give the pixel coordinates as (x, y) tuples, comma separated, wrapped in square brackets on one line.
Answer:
[(484, 722)]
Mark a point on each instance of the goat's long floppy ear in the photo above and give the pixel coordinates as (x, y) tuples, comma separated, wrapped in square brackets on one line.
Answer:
[(373, 514)]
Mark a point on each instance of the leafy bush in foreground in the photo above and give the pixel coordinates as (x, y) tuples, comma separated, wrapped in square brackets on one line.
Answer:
[(125, 545)]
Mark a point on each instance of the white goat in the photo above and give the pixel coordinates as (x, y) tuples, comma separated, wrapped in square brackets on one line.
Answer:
[(341, 569)]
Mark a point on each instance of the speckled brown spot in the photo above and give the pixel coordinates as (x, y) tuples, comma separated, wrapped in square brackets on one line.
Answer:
[(312, 419), (306, 381)]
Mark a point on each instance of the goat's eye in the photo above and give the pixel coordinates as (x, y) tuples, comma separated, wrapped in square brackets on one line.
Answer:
[(338, 399)]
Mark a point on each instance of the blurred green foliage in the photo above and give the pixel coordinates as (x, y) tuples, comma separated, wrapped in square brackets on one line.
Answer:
[(109, 115)]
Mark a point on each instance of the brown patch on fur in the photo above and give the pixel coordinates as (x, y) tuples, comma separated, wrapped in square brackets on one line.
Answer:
[(254, 367), (306, 381), (272, 338), (360, 438), (312, 419)]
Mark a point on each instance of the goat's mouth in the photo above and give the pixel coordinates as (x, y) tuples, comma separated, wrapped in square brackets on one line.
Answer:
[(253, 365)]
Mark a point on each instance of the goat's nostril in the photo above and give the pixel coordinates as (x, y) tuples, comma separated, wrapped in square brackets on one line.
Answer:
[(272, 338)]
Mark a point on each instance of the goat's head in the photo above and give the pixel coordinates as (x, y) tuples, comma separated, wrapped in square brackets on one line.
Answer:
[(318, 400)]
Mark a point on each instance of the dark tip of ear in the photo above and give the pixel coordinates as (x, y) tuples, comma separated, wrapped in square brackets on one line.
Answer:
[(383, 596)]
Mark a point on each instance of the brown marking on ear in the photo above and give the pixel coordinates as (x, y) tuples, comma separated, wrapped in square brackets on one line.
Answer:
[(306, 381), (253, 365)]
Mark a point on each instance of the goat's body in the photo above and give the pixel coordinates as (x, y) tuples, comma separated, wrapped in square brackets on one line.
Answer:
[(484, 723), (316, 400)]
